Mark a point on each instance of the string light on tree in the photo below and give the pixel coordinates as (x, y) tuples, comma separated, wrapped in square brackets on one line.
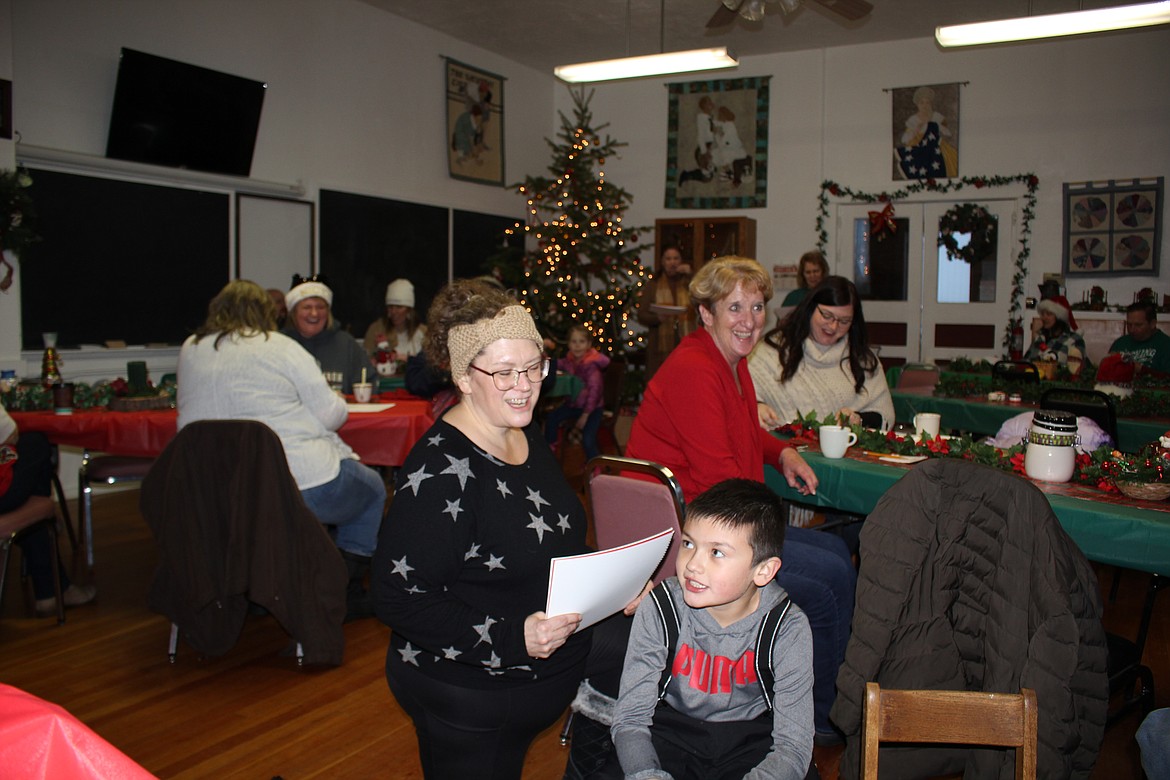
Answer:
[(578, 266)]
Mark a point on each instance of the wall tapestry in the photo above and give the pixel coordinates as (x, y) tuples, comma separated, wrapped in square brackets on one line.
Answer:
[(717, 144), (475, 123), (1113, 228), (926, 131)]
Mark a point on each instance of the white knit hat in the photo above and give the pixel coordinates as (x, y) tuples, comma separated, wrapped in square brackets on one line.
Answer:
[(400, 292), (308, 290)]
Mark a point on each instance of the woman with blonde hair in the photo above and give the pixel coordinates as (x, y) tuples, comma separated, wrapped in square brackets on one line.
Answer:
[(236, 366)]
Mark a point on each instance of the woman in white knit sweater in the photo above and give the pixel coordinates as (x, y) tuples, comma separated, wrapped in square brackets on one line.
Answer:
[(236, 366), (818, 360)]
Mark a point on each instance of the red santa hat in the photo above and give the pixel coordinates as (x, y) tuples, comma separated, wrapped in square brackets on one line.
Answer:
[(1058, 306)]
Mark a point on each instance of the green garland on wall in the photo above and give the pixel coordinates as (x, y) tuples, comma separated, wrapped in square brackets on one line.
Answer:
[(1031, 183)]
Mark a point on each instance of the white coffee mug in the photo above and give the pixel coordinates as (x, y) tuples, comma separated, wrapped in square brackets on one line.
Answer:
[(362, 392), (927, 422), (835, 439)]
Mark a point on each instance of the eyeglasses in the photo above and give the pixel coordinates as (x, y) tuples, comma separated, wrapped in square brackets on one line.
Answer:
[(509, 378), (834, 321)]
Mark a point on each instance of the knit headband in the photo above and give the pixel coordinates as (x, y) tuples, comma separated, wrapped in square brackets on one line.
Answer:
[(464, 342)]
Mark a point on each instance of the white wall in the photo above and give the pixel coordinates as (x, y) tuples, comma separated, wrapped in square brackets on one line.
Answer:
[(1067, 110), (355, 102)]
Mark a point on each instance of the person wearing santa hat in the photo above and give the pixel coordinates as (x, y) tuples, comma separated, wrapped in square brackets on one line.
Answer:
[(310, 324), (1057, 336)]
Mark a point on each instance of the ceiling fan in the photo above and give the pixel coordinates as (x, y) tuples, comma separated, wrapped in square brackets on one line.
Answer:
[(753, 10)]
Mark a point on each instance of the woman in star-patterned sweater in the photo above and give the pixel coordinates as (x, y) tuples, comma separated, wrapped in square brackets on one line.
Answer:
[(461, 570)]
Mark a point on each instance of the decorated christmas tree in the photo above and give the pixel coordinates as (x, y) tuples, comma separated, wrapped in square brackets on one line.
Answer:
[(580, 264)]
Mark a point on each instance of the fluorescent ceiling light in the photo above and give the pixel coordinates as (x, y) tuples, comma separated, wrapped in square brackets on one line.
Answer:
[(1055, 25), (648, 65)]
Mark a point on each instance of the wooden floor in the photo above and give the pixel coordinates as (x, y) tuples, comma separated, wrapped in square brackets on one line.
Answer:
[(254, 714)]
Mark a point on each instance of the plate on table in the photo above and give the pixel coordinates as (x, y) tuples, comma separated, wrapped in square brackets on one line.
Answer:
[(904, 459), (367, 408)]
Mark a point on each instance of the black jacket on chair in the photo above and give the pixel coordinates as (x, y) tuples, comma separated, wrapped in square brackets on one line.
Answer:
[(231, 526), (968, 582)]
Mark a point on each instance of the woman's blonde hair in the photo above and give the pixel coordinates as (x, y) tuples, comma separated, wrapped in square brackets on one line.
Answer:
[(242, 307), (717, 279)]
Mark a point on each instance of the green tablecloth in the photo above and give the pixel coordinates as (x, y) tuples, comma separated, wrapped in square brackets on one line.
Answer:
[(985, 418), (1118, 534)]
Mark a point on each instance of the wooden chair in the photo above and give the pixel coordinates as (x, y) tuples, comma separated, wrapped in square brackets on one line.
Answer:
[(950, 717), (35, 511)]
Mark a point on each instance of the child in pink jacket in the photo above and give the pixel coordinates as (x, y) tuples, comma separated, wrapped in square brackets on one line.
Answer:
[(587, 364)]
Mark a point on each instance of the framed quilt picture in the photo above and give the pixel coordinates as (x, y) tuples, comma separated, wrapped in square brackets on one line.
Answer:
[(717, 144), (1113, 228), (926, 131), (475, 123)]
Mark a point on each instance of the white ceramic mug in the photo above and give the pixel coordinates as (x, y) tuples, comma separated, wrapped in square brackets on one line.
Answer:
[(927, 422), (835, 439), (362, 392)]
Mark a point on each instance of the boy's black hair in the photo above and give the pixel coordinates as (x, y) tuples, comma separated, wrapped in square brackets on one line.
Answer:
[(743, 502)]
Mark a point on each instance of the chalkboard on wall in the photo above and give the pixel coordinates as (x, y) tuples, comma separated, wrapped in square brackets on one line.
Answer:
[(121, 261), (367, 242)]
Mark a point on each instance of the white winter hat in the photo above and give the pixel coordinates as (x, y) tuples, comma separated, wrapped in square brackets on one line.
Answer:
[(308, 290), (400, 292)]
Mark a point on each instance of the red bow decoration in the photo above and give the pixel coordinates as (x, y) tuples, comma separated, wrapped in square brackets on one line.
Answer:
[(882, 222)]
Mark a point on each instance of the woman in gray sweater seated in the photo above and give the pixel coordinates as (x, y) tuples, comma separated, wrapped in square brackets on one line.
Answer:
[(310, 324)]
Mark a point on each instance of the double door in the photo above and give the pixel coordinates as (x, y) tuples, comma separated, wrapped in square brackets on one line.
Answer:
[(920, 304)]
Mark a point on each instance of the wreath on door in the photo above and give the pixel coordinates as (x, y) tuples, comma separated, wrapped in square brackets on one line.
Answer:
[(973, 219)]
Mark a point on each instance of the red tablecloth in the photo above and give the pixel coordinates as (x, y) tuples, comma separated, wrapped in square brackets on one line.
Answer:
[(40, 739), (380, 438)]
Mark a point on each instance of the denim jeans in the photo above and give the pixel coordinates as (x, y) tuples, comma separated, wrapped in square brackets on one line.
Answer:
[(353, 504), (565, 412), (1153, 738), (819, 576)]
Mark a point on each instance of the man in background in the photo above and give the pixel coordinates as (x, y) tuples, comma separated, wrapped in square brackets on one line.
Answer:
[(1143, 341)]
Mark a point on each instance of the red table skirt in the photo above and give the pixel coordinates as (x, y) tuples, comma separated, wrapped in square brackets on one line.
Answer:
[(380, 438), (40, 739)]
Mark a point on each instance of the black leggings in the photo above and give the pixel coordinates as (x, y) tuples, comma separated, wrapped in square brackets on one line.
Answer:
[(32, 475), (475, 733)]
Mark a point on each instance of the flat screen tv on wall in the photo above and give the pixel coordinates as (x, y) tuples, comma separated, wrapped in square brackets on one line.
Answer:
[(183, 116)]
